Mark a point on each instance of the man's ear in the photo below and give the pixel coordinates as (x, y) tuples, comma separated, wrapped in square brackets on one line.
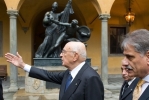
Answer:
[(76, 56)]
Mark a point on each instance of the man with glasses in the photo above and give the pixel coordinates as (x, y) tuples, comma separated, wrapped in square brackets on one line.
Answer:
[(79, 82)]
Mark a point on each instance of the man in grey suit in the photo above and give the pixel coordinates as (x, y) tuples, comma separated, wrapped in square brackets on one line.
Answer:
[(129, 83), (85, 82), (136, 50)]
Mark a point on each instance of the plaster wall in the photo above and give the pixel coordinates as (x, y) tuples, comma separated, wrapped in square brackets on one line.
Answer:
[(25, 45)]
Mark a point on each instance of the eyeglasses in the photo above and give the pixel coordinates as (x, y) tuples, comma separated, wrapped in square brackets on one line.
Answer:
[(64, 51)]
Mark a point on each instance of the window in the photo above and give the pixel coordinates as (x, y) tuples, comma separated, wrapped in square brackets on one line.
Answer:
[(116, 34)]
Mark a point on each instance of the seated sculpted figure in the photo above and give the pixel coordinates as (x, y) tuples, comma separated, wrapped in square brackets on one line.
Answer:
[(50, 32), (69, 33)]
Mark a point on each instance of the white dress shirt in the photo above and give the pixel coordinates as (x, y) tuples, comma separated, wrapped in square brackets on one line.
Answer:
[(145, 85), (75, 71), (129, 82)]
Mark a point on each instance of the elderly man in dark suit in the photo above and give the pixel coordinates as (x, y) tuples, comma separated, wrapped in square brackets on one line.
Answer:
[(136, 50), (79, 82), (129, 83)]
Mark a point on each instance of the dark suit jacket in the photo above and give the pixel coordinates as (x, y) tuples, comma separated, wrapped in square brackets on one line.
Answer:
[(86, 85), (1, 90), (128, 93), (145, 94)]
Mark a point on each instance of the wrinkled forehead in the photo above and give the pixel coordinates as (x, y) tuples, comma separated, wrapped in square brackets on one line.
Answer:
[(68, 46)]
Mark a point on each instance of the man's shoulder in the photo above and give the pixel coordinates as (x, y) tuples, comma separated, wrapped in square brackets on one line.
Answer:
[(90, 71)]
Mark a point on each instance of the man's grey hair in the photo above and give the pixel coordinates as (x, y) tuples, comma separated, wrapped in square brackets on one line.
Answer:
[(80, 51), (139, 39)]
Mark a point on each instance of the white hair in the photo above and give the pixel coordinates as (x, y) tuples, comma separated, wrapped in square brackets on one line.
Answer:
[(80, 49)]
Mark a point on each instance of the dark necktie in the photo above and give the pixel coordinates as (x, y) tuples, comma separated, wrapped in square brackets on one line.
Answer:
[(68, 81), (125, 87)]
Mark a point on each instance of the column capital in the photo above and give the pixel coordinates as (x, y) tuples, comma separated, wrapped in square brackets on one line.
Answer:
[(104, 16), (12, 12)]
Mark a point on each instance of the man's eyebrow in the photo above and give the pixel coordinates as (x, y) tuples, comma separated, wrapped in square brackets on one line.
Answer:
[(127, 54)]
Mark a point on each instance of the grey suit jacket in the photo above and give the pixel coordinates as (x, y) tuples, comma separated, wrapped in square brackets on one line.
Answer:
[(86, 85)]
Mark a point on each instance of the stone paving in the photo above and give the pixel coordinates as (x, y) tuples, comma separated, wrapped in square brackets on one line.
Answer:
[(111, 90)]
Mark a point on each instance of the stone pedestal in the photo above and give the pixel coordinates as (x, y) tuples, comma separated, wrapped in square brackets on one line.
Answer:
[(35, 89), (22, 95), (33, 85)]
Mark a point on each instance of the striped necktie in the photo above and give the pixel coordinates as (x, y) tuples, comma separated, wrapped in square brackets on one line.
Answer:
[(68, 81), (137, 90)]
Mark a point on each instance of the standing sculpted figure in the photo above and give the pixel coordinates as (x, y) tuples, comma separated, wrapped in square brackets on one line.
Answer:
[(50, 32), (53, 30)]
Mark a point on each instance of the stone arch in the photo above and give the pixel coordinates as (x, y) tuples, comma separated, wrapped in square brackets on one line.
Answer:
[(103, 6), (14, 4), (96, 5)]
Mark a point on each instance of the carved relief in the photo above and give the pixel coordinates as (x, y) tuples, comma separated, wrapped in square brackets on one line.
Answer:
[(36, 84)]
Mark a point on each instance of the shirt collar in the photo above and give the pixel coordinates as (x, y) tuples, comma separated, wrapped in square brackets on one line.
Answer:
[(129, 82), (75, 71), (146, 78)]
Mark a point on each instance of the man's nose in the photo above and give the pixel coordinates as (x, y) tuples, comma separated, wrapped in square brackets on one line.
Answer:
[(60, 54)]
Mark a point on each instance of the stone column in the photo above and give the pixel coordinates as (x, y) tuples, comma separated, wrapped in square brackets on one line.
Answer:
[(13, 49), (104, 48)]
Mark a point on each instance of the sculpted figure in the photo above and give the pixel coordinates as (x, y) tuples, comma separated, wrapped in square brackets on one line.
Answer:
[(50, 32), (53, 30), (68, 33)]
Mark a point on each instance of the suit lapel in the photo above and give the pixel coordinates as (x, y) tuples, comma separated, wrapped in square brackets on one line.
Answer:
[(62, 89), (75, 83), (145, 94), (127, 92), (131, 88), (120, 96)]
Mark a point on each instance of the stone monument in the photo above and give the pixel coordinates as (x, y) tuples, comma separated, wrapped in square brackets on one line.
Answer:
[(58, 30)]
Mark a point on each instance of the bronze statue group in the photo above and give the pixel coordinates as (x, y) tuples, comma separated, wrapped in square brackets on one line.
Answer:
[(58, 30)]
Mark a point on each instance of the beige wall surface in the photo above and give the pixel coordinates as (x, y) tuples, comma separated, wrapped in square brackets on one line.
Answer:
[(5, 22), (85, 12)]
